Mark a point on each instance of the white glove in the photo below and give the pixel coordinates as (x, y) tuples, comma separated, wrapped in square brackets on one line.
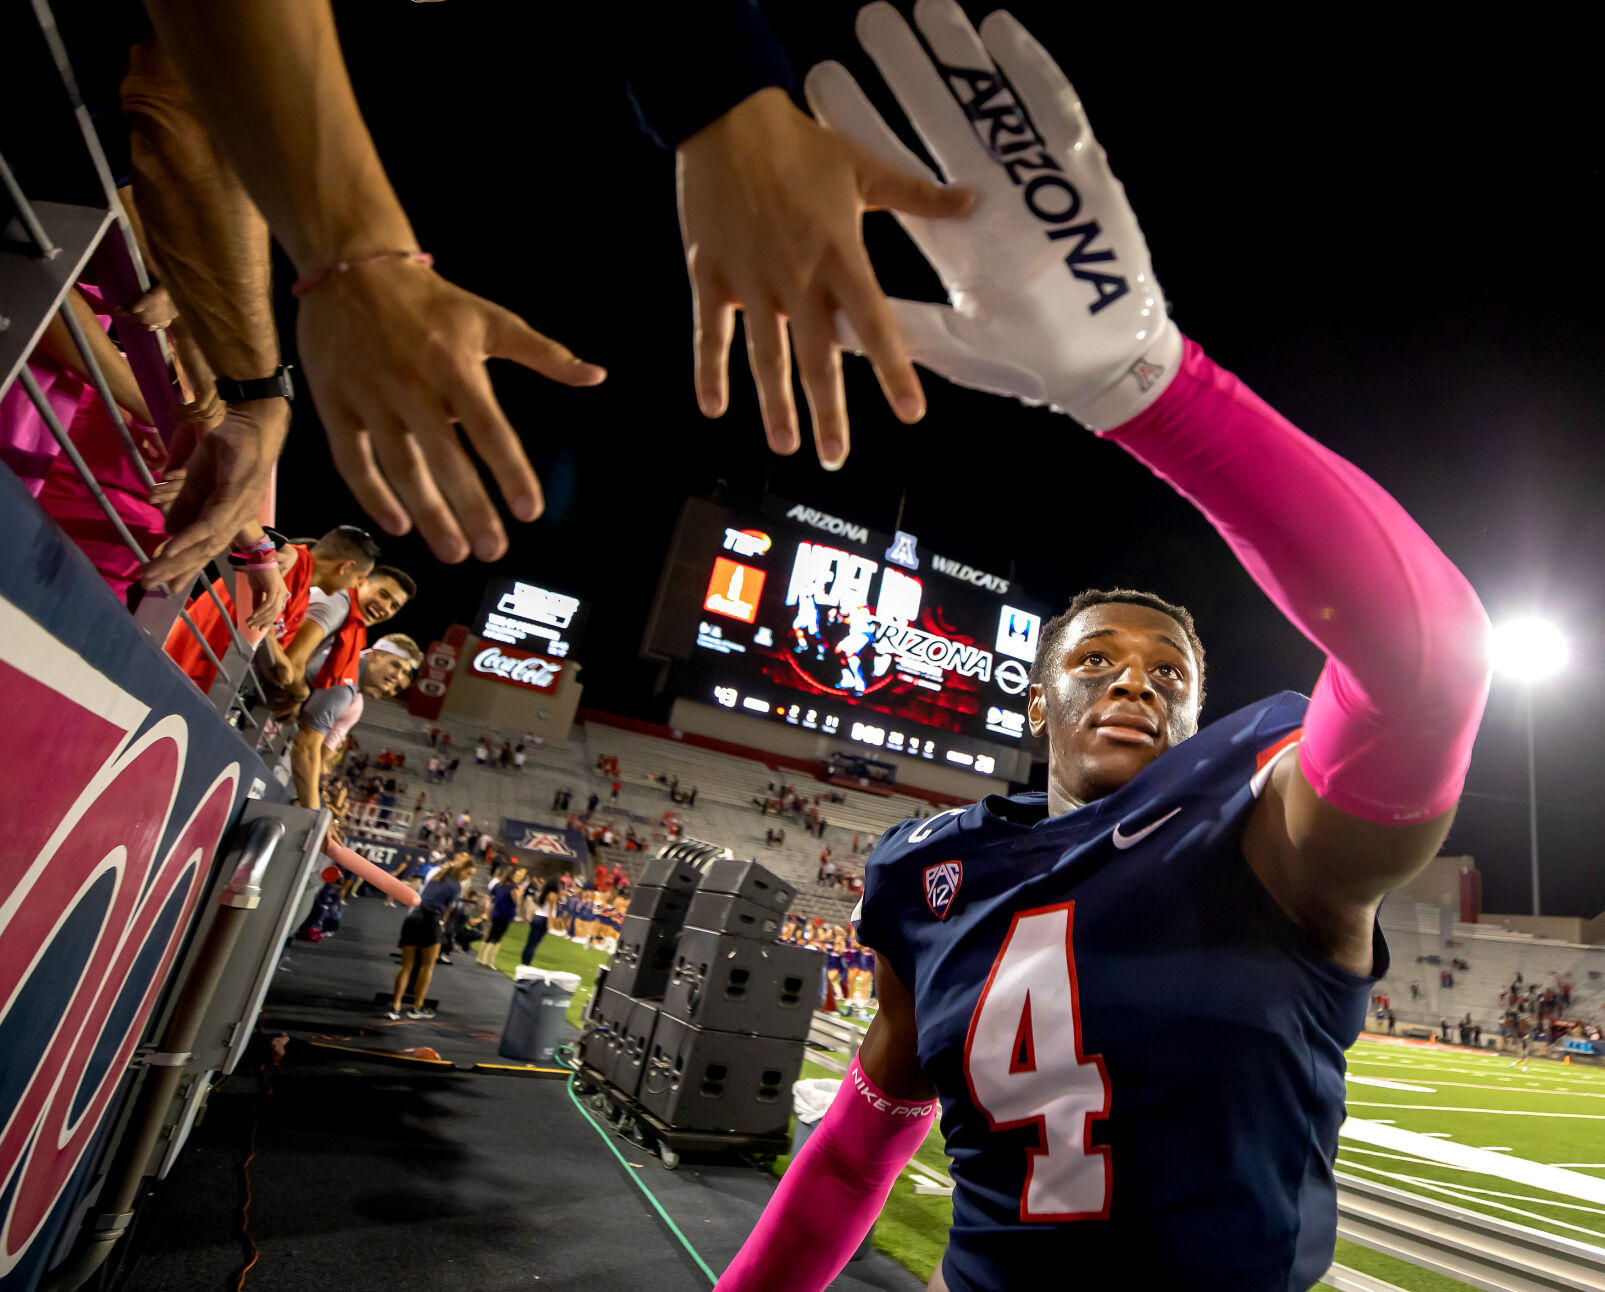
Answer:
[(1053, 296)]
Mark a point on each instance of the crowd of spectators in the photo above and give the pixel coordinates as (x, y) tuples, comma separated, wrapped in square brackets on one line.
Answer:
[(1529, 1013), (1542, 1013)]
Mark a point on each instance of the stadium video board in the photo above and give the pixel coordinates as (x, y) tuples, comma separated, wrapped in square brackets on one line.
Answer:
[(527, 634), (534, 620), (826, 625)]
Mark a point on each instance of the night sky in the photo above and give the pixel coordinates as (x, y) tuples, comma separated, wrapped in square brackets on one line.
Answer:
[(1391, 234)]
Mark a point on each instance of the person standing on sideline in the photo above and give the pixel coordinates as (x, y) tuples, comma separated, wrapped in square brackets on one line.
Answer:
[(538, 912), (503, 907), (420, 936)]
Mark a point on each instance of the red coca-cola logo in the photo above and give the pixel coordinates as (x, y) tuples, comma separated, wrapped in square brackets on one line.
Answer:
[(535, 672)]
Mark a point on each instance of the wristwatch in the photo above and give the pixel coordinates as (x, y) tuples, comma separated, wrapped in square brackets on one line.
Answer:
[(278, 386)]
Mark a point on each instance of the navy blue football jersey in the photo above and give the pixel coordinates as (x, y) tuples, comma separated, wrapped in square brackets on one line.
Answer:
[(1139, 1055)]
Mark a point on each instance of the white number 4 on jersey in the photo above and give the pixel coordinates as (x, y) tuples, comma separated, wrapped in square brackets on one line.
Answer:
[(1024, 1065)]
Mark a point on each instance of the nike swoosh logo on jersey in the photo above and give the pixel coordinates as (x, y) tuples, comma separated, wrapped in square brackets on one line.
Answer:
[(1124, 841)]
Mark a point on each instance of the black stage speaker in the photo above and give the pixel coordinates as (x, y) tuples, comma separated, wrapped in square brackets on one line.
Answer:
[(734, 984), (697, 1079), (610, 1013), (641, 965), (750, 880), (727, 913), (681, 865), (652, 902), (630, 1042)]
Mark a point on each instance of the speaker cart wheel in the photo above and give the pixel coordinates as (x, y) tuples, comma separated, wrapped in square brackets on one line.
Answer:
[(668, 1156)]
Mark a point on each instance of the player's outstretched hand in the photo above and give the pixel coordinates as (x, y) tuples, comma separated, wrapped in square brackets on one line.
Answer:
[(1053, 297), (771, 213), (395, 359)]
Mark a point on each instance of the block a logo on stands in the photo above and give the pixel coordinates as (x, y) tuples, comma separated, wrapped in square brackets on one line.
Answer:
[(548, 840), (112, 822), (518, 668)]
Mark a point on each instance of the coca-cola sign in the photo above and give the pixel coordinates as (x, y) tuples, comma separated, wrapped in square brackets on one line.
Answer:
[(535, 672)]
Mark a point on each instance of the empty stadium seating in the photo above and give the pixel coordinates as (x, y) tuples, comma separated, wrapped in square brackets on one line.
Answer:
[(1418, 930), (726, 810)]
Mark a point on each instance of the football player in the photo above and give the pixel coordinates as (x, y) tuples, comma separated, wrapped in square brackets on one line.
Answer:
[(1131, 995), (860, 633)]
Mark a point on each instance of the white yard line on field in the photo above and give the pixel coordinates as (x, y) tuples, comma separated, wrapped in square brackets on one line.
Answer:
[(1517, 1170), (1492, 1112), (1385, 1084), (1478, 1085)]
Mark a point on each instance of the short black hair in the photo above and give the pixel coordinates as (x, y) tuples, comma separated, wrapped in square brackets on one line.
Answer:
[(402, 580), (1053, 631), (348, 543)]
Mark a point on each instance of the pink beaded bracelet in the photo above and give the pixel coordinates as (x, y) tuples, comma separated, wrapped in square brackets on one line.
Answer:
[(302, 286)]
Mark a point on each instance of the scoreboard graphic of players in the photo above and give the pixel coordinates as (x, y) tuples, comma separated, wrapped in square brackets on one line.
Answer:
[(813, 620)]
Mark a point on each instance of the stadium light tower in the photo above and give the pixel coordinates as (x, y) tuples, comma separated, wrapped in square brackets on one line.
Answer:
[(1530, 650)]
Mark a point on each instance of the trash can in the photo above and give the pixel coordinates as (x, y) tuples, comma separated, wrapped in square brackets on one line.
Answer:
[(534, 1019), (810, 1100)]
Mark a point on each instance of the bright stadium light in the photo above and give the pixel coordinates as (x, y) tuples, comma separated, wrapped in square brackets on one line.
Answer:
[(1529, 649)]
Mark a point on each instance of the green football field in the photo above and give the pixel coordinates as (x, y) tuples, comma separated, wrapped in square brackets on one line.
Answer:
[(1551, 1113)]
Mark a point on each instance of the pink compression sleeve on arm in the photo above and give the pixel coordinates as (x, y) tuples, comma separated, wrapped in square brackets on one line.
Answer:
[(831, 1192), (1388, 734)]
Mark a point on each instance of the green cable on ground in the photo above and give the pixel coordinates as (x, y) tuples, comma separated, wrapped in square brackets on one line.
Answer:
[(630, 1171)]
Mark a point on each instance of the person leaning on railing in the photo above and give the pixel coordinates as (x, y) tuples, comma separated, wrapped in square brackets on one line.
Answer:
[(385, 670)]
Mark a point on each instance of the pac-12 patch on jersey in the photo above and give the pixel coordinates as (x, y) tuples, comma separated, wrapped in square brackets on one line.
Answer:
[(942, 886)]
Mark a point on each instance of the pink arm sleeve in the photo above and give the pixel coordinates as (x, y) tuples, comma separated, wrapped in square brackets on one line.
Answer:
[(1391, 722), (831, 1192)]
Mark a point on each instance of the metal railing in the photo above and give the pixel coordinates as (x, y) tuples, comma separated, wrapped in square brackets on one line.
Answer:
[(1462, 1244), (48, 247)]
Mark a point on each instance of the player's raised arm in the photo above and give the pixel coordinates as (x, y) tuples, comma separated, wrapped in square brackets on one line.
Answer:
[(836, 1186), (1055, 301)]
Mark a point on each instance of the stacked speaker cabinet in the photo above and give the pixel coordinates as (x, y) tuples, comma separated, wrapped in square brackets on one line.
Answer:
[(623, 1014), (729, 1039), (704, 1013)]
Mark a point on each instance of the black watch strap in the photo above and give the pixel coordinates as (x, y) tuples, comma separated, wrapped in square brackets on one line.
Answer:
[(278, 386)]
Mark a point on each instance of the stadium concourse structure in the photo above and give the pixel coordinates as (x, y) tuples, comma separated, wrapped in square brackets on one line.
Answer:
[(729, 788)]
